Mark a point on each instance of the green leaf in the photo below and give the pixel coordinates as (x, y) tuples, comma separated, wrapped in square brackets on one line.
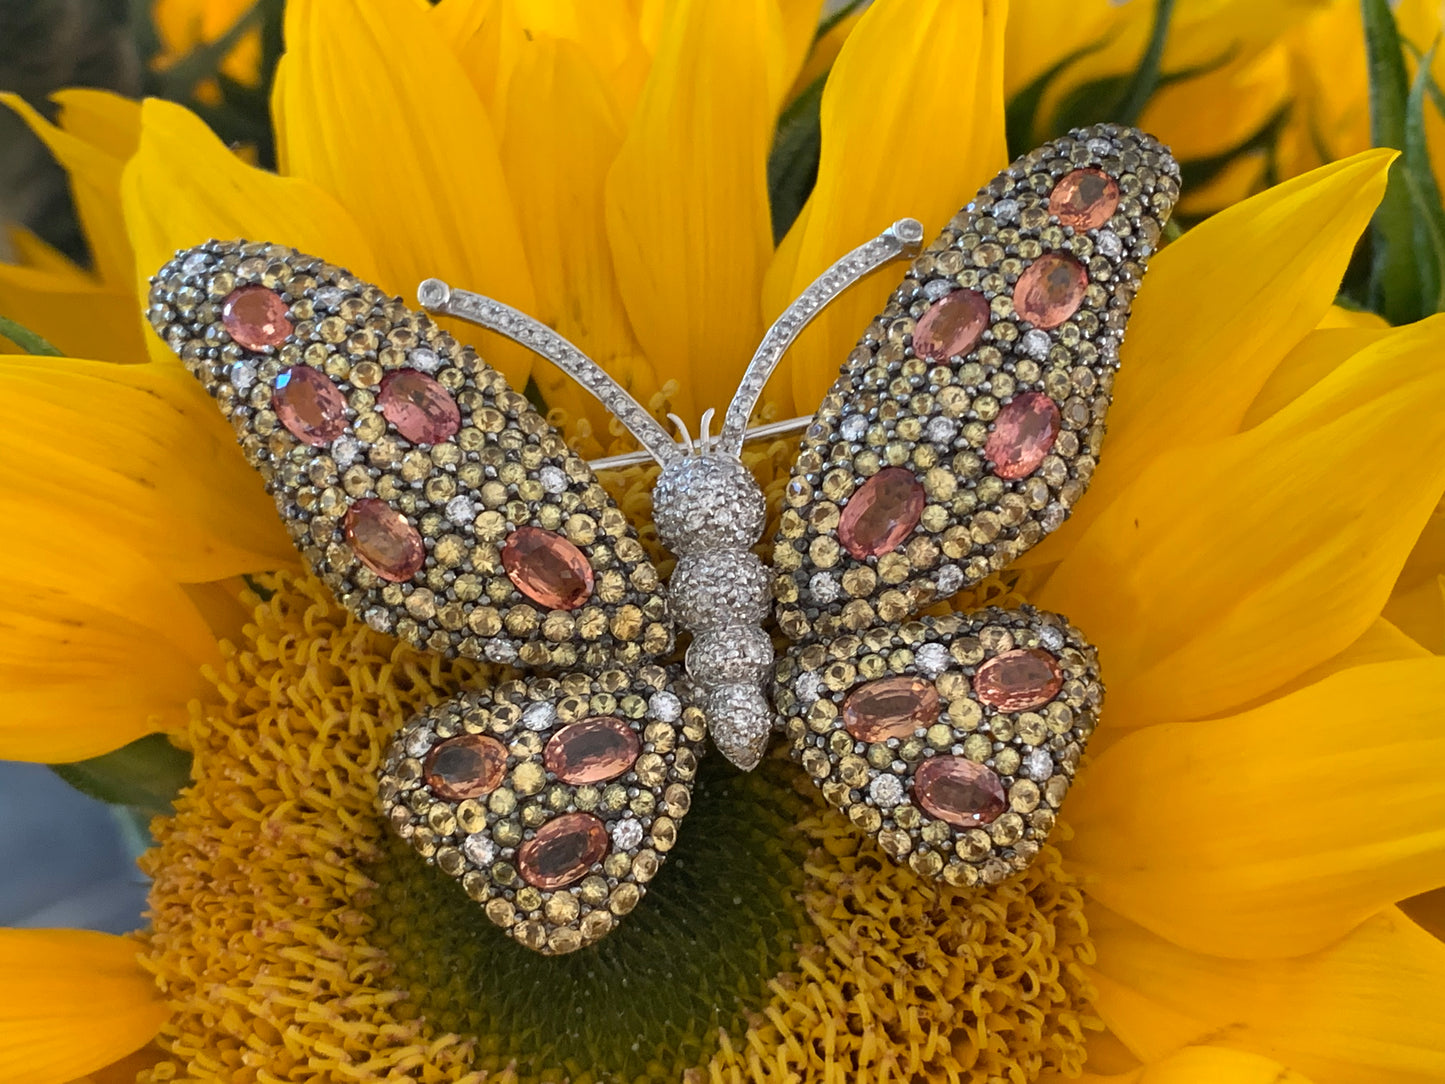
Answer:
[(1145, 81), (793, 160), (26, 339), (1395, 287), (1021, 115), (1424, 191), (145, 775)]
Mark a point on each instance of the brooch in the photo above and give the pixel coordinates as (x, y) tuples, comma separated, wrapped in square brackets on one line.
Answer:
[(440, 507)]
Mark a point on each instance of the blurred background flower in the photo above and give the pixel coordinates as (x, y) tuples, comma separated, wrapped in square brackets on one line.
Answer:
[(1262, 941)]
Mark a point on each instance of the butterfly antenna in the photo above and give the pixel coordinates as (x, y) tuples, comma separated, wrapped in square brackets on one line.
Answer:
[(684, 438), (903, 238), (436, 296), (706, 442)]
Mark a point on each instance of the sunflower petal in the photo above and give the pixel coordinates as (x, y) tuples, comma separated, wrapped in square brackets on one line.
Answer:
[(74, 1002), (949, 115), (1313, 358), (1364, 1010), (1420, 613), (46, 302), (1200, 1065), (1319, 833), (563, 133), (142, 450), (183, 187), (1269, 269), (95, 184), (432, 195), (1224, 571), (97, 646), (687, 200)]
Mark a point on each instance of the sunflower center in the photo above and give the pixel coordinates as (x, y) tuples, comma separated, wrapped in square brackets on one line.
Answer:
[(293, 935)]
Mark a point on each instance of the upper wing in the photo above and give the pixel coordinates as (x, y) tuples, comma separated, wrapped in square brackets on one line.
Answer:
[(969, 418), (428, 495)]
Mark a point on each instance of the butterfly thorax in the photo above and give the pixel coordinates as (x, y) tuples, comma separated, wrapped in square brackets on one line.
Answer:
[(710, 512)]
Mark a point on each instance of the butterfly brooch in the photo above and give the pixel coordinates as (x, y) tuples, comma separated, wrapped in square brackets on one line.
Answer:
[(440, 507)]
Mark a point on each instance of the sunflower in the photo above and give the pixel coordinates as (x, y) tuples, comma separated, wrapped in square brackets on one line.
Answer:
[(1246, 888)]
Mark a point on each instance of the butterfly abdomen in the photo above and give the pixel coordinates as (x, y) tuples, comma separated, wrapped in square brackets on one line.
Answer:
[(710, 513)]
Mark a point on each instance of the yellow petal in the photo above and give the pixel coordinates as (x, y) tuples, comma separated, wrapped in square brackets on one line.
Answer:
[(184, 187), (1362, 1011), (1200, 1065), (408, 151), (1382, 641), (74, 1002), (108, 122), (941, 127), (1313, 358), (1428, 909), (1225, 570), (1420, 613), (1339, 316), (32, 252), (687, 200), (563, 133), (1276, 831), (823, 53), (800, 26), (1031, 55), (1218, 310), (47, 302), (97, 645), (142, 451), (489, 38)]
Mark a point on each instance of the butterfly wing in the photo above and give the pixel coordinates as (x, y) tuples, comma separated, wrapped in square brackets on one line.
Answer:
[(952, 740), (964, 427), (969, 419), (553, 800), (432, 499)]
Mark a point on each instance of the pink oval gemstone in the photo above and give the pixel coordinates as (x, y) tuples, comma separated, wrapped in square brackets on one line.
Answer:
[(384, 541), (465, 767), (1050, 290), (882, 513), (421, 409), (1084, 199), (562, 851), (952, 326), (891, 707), (547, 568), (1023, 434), (957, 790), (255, 317), (592, 751), (309, 405), (1018, 680)]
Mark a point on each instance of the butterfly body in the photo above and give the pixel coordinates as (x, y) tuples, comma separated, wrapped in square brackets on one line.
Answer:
[(441, 508)]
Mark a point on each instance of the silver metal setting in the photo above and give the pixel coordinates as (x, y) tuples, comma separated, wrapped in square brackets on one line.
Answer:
[(434, 295)]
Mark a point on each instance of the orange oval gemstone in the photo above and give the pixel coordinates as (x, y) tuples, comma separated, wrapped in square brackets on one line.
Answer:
[(1023, 435), (592, 750), (1084, 199), (952, 326), (255, 317), (1050, 290), (562, 851), (309, 405), (547, 568), (882, 513), (384, 541), (891, 707), (421, 409), (959, 791), (465, 767), (1018, 680)]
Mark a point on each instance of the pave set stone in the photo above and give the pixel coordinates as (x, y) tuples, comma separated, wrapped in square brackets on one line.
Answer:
[(964, 427), (553, 800), (430, 496), (969, 419), (952, 739)]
